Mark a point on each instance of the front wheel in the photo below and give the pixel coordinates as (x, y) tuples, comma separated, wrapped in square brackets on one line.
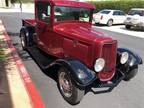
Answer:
[(71, 93), (127, 26), (131, 73)]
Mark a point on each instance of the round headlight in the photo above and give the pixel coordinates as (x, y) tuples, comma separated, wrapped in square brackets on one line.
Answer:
[(99, 64), (124, 57)]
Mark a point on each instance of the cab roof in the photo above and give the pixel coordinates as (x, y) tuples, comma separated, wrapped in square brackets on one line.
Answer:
[(68, 3)]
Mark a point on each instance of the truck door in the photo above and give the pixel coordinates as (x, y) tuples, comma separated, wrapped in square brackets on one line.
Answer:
[(43, 24)]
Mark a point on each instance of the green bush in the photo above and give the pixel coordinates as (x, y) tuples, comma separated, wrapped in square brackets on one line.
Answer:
[(124, 5), (23, 1)]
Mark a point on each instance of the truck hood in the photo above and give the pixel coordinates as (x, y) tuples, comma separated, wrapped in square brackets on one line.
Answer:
[(81, 31)]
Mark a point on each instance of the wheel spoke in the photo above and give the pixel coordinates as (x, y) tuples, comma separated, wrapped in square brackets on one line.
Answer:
[(65, 84), (23, 40)]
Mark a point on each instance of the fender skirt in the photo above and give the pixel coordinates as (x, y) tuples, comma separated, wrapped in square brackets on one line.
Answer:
[(134, 59), (80, 74)]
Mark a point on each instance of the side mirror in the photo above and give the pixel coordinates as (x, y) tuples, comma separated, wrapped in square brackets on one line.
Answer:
[(43, 16)]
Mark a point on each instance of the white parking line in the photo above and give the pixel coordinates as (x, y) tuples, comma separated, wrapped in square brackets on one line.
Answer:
[(122, 29)]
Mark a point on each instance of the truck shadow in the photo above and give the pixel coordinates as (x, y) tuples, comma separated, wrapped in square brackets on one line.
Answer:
[(13, 34)]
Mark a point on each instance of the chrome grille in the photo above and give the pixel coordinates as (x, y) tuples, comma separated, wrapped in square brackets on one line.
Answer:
[(109, 53)]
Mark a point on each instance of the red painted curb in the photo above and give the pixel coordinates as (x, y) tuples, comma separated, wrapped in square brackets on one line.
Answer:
[(34, 96)]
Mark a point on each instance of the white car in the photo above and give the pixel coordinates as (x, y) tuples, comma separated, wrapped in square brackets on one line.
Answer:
[(109, 17), (135, 18)]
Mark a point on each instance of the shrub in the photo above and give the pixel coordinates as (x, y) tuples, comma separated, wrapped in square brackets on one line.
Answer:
[(23, 1), (124, 5)]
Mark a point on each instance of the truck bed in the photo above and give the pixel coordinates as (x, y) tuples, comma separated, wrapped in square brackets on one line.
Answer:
[(29, 22)]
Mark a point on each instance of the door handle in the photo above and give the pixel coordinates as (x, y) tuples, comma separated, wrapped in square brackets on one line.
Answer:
[(75, 43)]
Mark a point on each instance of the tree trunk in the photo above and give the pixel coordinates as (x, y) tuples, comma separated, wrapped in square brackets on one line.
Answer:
[(7, 3)]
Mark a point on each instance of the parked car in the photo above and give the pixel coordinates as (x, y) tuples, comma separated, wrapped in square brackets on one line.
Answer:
[(135, 18), (109, 17)]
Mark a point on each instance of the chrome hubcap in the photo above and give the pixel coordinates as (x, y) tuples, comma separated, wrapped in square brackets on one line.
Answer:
[(110, 23), (65, 84), (22, 40)]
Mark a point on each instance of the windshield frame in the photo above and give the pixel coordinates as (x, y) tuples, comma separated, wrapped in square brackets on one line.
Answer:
[(105, 12), (137, 12), (90, 14)]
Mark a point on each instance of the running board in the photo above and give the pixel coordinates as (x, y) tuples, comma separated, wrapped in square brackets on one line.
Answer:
[(42, 59)]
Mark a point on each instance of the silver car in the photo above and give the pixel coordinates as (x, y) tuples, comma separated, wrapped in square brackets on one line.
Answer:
[(135, 18)]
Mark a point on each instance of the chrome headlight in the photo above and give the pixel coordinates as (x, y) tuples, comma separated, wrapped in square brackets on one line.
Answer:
[(99, 64), (124, 57)]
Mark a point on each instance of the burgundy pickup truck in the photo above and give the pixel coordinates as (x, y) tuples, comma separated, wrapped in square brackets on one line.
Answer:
[(61, 38)]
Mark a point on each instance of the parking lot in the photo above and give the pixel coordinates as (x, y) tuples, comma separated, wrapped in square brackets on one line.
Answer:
[(121, 29), (127, 94)]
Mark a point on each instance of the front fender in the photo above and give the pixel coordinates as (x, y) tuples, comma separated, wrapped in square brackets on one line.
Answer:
[(80, 74), (134, 59)]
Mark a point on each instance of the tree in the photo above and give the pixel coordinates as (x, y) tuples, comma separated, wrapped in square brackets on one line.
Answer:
[(7, 3)]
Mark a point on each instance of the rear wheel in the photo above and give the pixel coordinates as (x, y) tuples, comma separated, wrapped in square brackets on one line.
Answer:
[(23, 40), (131, 73), (110, 22), (127, 26), (71, 93)]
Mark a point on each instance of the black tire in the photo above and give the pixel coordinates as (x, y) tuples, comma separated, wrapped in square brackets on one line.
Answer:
[(73, 94), (127, 26), (131, 73), (110, 22), (23, 40)]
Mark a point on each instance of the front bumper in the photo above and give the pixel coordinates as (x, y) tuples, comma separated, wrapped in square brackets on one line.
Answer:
[(110, 85), (98, 21), (134, 23)]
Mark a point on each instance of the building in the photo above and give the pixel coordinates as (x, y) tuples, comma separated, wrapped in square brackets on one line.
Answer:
[(2, 3)]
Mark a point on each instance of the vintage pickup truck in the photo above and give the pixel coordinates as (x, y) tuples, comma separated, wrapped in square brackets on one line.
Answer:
[(62, 38)]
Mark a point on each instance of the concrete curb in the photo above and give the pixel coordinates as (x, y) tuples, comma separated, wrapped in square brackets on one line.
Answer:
[(26, 8), (36, 101)]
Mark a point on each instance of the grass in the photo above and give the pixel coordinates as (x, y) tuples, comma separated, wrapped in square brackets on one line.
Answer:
[(124, 5), (2, 55), (23, 1)]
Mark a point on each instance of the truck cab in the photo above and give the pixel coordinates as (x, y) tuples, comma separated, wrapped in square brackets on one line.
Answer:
[(82, 56), (57, 20)]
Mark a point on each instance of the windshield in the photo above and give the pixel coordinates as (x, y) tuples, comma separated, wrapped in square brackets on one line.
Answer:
[(136, 12), (71, 13), (105, 12)]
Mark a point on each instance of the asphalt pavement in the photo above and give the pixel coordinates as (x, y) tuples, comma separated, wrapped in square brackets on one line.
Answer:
[(126, 95), (136, 32)]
